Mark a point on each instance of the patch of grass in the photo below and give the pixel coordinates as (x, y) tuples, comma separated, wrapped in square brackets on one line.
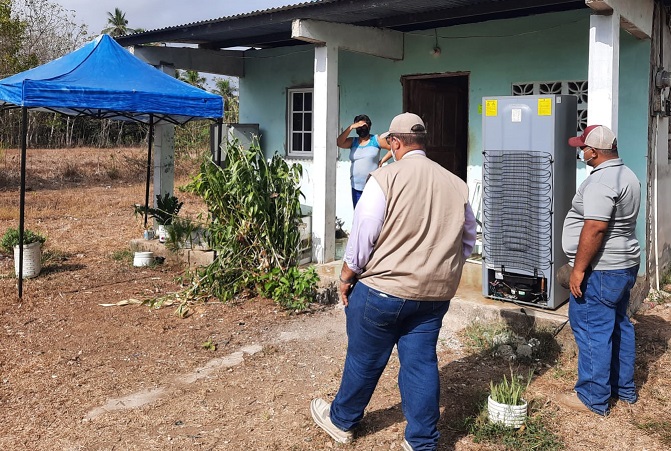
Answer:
[(54, 256), (123, 255), (480, 336), (533, 435), (8, 212), (666, 277), (659, 297), (210, 345), (70, 171), (660, 428)]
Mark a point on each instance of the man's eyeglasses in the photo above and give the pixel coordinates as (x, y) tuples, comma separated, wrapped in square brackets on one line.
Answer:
[(388, 138)]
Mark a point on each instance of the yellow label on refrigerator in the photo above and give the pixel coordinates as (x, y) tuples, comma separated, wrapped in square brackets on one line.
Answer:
[(545, 107), (491, 107)]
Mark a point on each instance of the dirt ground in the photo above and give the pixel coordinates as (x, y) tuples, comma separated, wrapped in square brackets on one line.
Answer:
[(75, 375)]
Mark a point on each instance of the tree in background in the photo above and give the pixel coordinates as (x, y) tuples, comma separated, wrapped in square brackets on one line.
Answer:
[(225, 89), (13, 57), (117, 24), (191, 77), (51, 30)]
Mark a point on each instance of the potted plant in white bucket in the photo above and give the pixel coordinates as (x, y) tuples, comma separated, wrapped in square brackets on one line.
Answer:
[(167, 208), (506, 404), (32, 250)]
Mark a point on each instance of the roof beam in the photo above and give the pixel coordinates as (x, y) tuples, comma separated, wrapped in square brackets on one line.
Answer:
[(368, 40), (223, 62), (635, 15)]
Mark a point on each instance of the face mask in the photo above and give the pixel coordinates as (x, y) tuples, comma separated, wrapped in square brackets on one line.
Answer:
[(362, 131), (581, 156)]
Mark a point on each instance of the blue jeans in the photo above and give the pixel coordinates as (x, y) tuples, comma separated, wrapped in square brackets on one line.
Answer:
[(375, 323), (356, 195), (605, 338)]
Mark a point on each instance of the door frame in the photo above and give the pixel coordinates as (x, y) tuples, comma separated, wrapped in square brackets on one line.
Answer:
[(436, 76)]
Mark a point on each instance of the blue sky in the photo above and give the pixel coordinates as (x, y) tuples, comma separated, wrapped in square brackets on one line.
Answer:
[(152, 14)]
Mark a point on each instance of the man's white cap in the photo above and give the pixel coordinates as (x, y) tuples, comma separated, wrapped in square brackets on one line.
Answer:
[(405, 123)]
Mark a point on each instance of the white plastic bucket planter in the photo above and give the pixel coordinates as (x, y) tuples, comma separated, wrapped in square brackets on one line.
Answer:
[(143, 259), (506, 414), (32, 260), (163, 233)]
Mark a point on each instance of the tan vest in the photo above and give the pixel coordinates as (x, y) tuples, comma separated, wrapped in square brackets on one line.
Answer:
[(418, 254)]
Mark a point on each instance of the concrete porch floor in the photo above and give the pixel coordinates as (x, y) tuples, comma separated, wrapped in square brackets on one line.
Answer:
[(469, 305)]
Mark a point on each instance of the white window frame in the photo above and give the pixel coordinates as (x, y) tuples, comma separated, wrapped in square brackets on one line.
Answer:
[(290, 125)]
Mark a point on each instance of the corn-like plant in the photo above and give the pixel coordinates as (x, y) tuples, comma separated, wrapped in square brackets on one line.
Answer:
[(253, 225), (510, 392)]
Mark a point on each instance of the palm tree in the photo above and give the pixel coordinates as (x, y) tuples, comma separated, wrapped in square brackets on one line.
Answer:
[(191, 77), (224, 88), (117, 24)]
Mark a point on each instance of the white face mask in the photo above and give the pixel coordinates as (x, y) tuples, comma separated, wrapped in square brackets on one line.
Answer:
[(581, 156), (393, 153)]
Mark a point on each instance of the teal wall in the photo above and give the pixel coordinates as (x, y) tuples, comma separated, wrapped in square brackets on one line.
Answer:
[(495, 54)]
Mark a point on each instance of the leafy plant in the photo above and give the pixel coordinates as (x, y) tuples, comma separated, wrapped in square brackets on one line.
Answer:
[(510, 392), (11, 238), (210, 345), (167, 208), (292, 288), (534, 435), (253, 225), (184, 232)]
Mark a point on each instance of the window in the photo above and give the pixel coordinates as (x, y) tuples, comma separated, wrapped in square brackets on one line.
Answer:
[(577, 88), (299, 123)]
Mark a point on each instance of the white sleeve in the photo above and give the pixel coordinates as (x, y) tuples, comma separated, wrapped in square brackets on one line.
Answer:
[(366, 226)]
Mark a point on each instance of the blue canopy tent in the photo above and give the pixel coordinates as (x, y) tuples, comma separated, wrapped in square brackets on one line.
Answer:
[(103, 80)]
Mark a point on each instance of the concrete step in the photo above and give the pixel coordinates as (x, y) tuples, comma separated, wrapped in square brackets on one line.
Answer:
[(192, 257)]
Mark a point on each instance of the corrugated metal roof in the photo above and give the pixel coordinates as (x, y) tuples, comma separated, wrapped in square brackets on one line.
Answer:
[(272, 27)]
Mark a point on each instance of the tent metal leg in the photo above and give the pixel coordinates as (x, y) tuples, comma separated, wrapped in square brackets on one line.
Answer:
[(150, 139), (22, 201)]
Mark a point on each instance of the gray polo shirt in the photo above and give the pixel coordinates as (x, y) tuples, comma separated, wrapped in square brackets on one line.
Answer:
[(610, 193)]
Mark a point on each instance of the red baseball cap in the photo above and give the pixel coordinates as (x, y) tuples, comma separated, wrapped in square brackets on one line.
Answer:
[(596, 136)]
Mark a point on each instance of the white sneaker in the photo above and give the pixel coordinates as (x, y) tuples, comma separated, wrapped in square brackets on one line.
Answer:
[(320, 411), (406, 446)]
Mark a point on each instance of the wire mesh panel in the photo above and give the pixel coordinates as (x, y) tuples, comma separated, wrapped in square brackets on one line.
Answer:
[(517, 209)]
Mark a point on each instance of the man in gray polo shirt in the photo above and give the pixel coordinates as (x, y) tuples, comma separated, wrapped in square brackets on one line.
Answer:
[(599, 239)]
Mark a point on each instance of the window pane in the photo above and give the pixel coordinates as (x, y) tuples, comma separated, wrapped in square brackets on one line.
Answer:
[(307, 126), (297, 101), (297, 125), (296, 141), (307, 142), (308, 101)]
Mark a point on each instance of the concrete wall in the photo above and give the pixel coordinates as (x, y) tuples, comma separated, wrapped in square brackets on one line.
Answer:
[(659, 201), (496, 54)]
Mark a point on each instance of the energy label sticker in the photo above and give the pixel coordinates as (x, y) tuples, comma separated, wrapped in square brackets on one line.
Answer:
[(545, 107), (491, 107)]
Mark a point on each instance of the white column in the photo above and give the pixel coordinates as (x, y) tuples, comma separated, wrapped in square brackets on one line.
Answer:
[(325, 120), (604, 70), (164, 152), (164, 159)]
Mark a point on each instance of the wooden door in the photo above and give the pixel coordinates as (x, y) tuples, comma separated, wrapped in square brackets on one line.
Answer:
[(442, 102)]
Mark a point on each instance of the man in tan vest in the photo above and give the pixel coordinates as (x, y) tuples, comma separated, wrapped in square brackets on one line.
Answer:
[(413, 229)]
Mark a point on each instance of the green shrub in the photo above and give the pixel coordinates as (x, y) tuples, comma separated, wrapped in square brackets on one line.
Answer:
[(253, 225), (11, 238)]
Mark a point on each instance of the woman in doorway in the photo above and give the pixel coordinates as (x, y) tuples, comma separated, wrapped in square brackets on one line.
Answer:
[(364, 153)]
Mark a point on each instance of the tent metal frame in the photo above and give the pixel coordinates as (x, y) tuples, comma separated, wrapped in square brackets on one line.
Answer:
[(83, 113)]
